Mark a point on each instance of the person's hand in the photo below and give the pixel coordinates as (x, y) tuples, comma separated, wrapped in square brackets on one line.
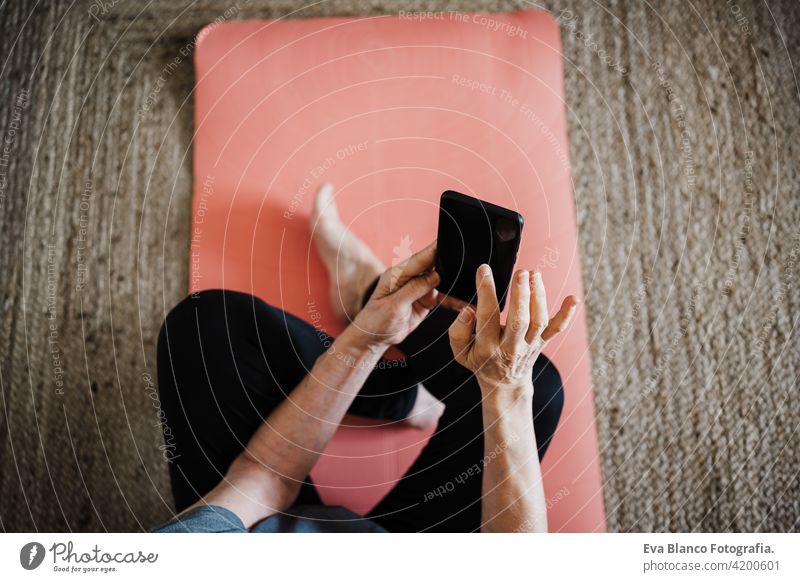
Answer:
[(502, 357), (405, 294)]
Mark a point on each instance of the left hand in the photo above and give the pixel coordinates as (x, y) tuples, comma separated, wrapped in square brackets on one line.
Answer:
[(403, 298), (502, 356)]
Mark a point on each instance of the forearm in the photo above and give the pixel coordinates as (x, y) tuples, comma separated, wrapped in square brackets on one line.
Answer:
[(513, 495), (265, 478), (290, 441)]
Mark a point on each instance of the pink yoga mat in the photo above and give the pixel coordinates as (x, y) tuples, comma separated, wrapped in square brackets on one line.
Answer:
[(393, 110)]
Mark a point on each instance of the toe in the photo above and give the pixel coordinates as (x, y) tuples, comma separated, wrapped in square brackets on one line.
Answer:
[(324, 204)]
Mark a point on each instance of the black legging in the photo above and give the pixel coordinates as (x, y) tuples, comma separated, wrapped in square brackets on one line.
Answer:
[(227, 359)]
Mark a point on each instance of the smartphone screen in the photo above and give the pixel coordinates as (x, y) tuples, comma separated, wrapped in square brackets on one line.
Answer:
[(473, 232)]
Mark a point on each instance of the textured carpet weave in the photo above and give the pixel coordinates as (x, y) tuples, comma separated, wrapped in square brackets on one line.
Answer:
[(683, 129)]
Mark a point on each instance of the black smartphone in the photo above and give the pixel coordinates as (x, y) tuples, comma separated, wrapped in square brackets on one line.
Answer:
[(473, 232)]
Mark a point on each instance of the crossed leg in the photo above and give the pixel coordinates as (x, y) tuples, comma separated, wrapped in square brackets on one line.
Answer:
[(441, 491), (225, 361)]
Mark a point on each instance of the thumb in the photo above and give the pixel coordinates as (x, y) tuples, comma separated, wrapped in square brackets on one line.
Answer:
[(461, 333)]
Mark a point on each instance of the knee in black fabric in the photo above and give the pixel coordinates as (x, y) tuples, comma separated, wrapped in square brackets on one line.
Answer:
[(210, 303), (548, 401), (203, 336)]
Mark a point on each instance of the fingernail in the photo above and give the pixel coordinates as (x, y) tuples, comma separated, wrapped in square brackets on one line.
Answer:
[(465, 316), (485, 270), (522, 277), (537, 276)]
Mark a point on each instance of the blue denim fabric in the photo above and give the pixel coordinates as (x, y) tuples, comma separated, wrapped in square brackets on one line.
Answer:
[(298, 519), (204, 519)]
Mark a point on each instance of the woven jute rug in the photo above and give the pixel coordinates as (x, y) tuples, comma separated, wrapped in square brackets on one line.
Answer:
[(683, 130)]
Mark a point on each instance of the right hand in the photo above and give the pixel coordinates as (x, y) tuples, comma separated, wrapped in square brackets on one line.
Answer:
[(403, 297), (502, 357)]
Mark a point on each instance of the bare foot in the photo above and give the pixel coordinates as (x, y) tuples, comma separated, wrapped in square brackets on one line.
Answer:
[(426, 411), (351, 264)]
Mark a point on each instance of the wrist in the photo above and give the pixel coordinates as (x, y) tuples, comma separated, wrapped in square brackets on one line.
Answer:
[(358, 342), (502, 398), (509, 389)]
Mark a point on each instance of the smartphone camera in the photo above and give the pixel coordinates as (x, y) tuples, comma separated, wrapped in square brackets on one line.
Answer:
[(505, 230)]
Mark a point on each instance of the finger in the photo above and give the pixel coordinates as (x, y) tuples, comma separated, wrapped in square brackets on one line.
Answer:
[(488, 312), (451, 302), (462, 332), (539, 318), (561, 320), (430, 299), (418, 287), (519, 310), (412, 267)]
